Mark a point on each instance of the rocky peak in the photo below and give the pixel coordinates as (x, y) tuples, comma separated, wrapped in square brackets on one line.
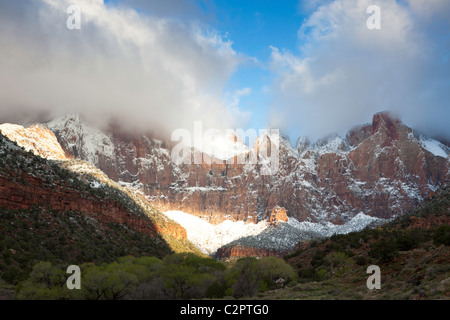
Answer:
[(380, 169), (278, 214), (302, 144), (386, 123), (265, 142), (83, 141)]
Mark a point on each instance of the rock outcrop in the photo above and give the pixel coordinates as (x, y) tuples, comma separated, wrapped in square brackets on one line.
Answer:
[(277, 214), (15, 195), (241, 251), (429, 222)]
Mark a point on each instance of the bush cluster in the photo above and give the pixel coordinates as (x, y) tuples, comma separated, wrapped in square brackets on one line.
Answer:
[(177, 276)]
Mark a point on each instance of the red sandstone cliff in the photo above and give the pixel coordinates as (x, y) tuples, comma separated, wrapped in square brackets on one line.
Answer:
[(241, 251), (26, 181)]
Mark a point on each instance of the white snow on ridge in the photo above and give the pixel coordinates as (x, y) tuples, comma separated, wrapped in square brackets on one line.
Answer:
[(204, 189), (208, 237), (435, 147), (288, 234), (333, 145), (357, 223), (89, 140)]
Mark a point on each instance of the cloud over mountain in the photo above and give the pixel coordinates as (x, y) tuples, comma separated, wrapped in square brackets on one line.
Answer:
[(344, 72), (160, 65), (144, 70)]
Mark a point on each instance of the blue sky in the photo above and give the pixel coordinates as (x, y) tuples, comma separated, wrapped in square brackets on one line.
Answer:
[(253, 27), (305, 67)]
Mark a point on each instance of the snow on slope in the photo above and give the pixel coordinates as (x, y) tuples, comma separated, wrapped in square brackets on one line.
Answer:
[(85, 139), (332, 144), (208, 237), (435, 147), (288, 234), (41, 141)]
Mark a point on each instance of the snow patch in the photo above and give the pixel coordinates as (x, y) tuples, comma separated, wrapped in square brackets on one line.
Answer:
[(433, 146), (88, 140), (208, 237), (286, 235), (96, 184)]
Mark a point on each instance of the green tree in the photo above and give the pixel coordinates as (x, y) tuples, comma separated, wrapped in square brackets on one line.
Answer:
[(94, 283), (109, 282), (339, 263), (179, 280), (383, 249), (47, 275), (244, 278), (270, 269), (45, 282)]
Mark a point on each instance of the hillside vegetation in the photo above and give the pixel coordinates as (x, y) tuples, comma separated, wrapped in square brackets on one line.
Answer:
[(412, 252), (30, 233), (177, 276)]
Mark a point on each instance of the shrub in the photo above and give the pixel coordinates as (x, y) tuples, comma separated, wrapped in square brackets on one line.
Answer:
[(307, 273), (216, 290), (270, 269), (409, 240), (339, 263), (321, 274), (294, 254), (318, 258), (442, 235), (383, 249), (243, 278), (361, 261)]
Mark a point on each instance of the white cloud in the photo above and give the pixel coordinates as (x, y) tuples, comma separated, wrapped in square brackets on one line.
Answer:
[(344, 72), (147, 71)]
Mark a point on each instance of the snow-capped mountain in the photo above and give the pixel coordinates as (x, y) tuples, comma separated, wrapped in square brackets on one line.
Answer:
[(380, 169), (377, 171)]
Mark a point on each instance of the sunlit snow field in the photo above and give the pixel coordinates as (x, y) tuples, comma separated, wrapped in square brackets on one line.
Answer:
[(209, 238)]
